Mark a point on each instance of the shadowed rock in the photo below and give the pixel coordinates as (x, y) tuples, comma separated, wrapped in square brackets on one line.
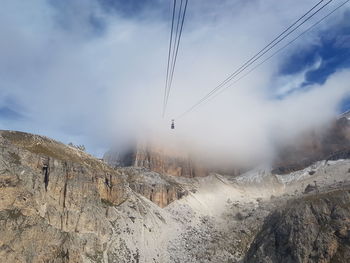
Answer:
[(49, 193), (313, 147), (315, 228)]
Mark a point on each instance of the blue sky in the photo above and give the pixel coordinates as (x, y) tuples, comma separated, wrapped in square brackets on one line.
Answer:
[(92, 72), (332, 51)]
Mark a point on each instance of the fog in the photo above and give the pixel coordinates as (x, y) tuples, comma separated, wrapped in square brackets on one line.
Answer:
[(79, 72)]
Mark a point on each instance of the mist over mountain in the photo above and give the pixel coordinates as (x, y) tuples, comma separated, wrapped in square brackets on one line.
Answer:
[(121, 143), (100, 71)]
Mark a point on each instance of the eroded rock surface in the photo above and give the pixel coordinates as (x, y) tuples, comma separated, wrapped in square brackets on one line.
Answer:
[(315, 228), (158, 188), (58, 204), (333, 144), (157, 159), (53, 201)]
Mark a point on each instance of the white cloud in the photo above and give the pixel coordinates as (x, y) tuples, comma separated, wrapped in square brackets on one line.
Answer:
[(85, 89), (288, 83)]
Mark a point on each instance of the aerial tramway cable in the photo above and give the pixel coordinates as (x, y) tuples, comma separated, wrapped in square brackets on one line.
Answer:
[(261, 53), (169, 54), (174, 48), (178, 42), (283, 47)]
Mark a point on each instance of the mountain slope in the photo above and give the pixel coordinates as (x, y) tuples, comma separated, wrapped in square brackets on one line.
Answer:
[(310, 229), (315, 146), (58, 204)]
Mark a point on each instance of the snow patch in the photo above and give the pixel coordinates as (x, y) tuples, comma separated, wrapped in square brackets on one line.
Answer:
[(308, 172), (257, 175)]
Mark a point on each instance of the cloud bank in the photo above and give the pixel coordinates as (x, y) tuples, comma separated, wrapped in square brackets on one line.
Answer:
[(93, 73)]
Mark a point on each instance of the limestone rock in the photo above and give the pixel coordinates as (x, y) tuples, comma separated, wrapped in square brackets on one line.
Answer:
[(53, 199), (311, 229), (157, 159), (160, 189), (313, 147)]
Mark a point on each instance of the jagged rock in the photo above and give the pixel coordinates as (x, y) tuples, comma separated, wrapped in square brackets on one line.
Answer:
[(165, 160), (313, 147), (345, 154), (311, 229), (123, 158), (160, 189), (52, 200), (58, 204), (156, 159), (309, 188)]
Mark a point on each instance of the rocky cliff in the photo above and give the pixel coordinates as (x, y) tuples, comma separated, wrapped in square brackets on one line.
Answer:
[(315, 228), (158, 188), (314, 146), (165, 160), (157, 159), (59, 204), (52, 198)]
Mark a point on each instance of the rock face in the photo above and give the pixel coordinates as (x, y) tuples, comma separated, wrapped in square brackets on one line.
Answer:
[(163, 162), (156, 159), (46, 161), (124, 157), (315, 228), (333, 145), (61, 205), (52, 201), (160, 189)]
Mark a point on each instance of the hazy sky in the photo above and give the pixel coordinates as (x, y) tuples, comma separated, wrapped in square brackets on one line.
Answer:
[(93, 71)]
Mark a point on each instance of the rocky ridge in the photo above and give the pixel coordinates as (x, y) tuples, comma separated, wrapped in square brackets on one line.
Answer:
[(314, 146), (59, 204), (164, 160), (313, 228), (158, 188)]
